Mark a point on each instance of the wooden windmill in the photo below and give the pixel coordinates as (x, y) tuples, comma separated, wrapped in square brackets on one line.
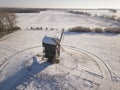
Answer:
[(51, 48)]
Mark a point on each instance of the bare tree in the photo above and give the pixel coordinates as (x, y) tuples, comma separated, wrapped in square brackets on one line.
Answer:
[(7, 23), (1, 21), (7, 20), (11, 19)]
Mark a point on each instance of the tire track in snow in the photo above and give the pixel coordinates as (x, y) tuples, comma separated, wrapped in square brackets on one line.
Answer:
[(7, 49), (107, 82), (105, 70), (88, 56), (6, 60), (84, 74), (7, 36), (84, 51)]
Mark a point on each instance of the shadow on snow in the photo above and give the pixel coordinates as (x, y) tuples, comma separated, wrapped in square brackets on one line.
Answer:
[(24, 75)]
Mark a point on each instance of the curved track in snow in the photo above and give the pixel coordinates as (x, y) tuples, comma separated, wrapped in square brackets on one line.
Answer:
[(100, 64), (6, 60), (105, 71)]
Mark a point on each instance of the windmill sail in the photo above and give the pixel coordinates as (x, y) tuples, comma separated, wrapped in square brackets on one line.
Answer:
[(61, 35)]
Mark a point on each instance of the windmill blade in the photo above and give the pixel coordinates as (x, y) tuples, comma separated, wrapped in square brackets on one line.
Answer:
[(58, 43), (61, 35), (62, 48)]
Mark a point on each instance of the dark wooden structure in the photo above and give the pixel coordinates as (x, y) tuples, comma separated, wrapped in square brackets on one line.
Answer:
[(51, 49)]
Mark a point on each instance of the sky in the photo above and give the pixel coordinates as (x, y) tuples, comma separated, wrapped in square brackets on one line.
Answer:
[(61, 3)]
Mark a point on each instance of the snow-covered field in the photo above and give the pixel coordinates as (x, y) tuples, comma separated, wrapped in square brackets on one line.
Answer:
[(89, 61), (61, 19)]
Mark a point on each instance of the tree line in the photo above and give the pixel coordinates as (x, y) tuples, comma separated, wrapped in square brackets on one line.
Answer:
[(7, 23), (22, 10)]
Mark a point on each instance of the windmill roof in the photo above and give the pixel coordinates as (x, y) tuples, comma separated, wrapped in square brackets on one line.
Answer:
[(50, 40)]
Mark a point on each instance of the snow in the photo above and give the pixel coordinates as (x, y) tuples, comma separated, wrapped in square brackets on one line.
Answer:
[(80, 66), (61, 19), (50, 40)]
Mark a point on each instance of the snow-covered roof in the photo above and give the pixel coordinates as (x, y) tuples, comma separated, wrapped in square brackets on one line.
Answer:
[(50, 40)]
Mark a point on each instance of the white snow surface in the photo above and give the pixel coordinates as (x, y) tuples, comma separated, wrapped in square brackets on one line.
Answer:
[(61, 19), (78, 68)]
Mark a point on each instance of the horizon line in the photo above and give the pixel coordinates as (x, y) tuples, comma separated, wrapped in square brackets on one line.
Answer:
[(56, 8)]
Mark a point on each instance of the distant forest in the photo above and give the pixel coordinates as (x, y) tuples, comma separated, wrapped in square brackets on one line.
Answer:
[(22, 10)]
